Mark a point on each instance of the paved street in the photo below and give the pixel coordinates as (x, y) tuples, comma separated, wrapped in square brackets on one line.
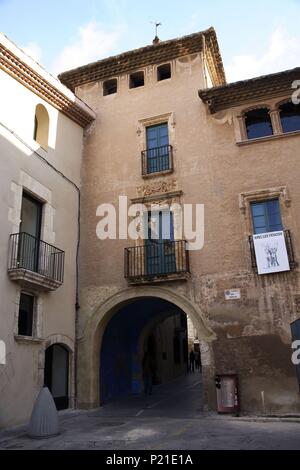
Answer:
[(171, 419)]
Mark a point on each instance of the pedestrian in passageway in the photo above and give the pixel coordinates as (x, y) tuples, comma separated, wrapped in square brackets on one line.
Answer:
[(148, 373), (192, 361), (197, 360)]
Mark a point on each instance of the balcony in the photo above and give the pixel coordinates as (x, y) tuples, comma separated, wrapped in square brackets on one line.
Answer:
[(34, 263), (289, 247), (157, 160), (157, 261)]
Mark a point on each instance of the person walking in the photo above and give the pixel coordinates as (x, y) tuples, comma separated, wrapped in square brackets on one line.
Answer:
[(148, 373), (192, 361), (197, 360)]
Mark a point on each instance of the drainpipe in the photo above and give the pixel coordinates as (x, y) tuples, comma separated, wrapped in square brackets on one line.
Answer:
[(77, 306)]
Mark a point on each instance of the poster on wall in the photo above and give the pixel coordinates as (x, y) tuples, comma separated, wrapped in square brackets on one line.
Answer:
[(271, 253)]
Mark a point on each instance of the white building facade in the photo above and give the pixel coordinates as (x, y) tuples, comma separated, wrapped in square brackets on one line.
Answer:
[(41, 139)]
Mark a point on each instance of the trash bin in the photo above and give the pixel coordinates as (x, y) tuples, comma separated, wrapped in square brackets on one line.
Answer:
[(227, 394)]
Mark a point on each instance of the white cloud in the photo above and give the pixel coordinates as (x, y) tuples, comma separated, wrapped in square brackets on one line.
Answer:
[(33, 50), (282, 53), (91, 43)]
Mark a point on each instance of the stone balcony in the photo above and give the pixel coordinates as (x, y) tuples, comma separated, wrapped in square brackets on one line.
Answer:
[(34, 263)]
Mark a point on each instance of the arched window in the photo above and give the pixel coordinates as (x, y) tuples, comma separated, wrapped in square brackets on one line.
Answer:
[(258, 123), (290, 117), (41, 126)]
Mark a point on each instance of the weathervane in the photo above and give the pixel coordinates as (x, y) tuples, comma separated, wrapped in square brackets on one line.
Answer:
[(156, 39)]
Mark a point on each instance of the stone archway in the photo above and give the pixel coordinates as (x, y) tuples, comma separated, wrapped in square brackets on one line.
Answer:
[(90, 342)]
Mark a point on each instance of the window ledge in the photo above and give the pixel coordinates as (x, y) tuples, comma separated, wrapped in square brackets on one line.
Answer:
[(242, 143), (136, 88), (27, 339), (141, 280), (36, 146), (164, 80), (33, 279), (158, 174)]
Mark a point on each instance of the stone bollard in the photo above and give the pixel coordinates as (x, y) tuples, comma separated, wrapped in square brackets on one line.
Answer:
[(44, 418)]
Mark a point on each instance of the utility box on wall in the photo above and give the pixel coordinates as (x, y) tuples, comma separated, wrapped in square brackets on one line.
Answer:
[(227, 393)]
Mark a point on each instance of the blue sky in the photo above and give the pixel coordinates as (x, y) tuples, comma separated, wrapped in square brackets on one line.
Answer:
[(255, 37)]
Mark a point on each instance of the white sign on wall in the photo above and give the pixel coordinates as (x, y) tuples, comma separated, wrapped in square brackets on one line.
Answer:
[(2, 353), (271, 253), (233, 294)]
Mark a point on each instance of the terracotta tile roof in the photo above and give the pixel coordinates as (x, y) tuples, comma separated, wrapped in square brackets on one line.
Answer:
[(255, 89), (149, 55)]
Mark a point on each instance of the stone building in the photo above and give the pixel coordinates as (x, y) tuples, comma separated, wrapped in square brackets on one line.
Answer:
[(166, 130), (231, 147), (41, 133)]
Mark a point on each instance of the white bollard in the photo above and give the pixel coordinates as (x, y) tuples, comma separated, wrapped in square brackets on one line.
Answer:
[(44, 418)]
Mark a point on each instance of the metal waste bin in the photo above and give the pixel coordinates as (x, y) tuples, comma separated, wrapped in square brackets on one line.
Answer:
[(227, 393)]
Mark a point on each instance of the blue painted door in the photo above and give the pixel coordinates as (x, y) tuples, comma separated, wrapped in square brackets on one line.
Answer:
[(160, 246), (157, 148)]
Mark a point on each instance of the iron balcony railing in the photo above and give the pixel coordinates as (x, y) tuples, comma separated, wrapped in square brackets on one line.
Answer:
[(289, 247), (157, 159), (33, 254), (156, 259)]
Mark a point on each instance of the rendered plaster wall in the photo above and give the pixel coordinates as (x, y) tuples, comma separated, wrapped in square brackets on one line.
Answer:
[(23, 169)]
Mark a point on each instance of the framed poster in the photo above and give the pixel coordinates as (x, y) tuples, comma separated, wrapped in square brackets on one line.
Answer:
[(271, 253)]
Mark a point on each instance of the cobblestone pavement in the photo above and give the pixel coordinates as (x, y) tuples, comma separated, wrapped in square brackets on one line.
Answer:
[(171, 419)]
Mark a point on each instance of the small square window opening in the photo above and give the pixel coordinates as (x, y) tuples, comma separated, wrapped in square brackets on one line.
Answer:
[(110, 87), (136, 80), (163, 72)]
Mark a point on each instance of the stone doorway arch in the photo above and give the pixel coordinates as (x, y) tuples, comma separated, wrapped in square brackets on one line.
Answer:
[(89, 344)]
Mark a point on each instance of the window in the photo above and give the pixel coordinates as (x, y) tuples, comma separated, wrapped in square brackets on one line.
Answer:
[(26, 309), (258, 123), (160, 226), (266, 216), (136, 80), (158, 148), (41, 126), (163, 72), (160, 255), (110, 87), (31, 216), (290, 117), (29, 253)]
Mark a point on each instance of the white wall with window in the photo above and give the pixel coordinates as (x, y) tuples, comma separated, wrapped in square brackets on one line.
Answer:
[(41, 152)]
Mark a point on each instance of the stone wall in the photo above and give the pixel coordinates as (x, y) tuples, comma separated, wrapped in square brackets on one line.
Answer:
[(249, 336)]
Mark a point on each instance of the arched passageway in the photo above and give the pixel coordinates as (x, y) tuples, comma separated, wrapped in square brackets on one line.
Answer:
[(93, 332), (146, 326)]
